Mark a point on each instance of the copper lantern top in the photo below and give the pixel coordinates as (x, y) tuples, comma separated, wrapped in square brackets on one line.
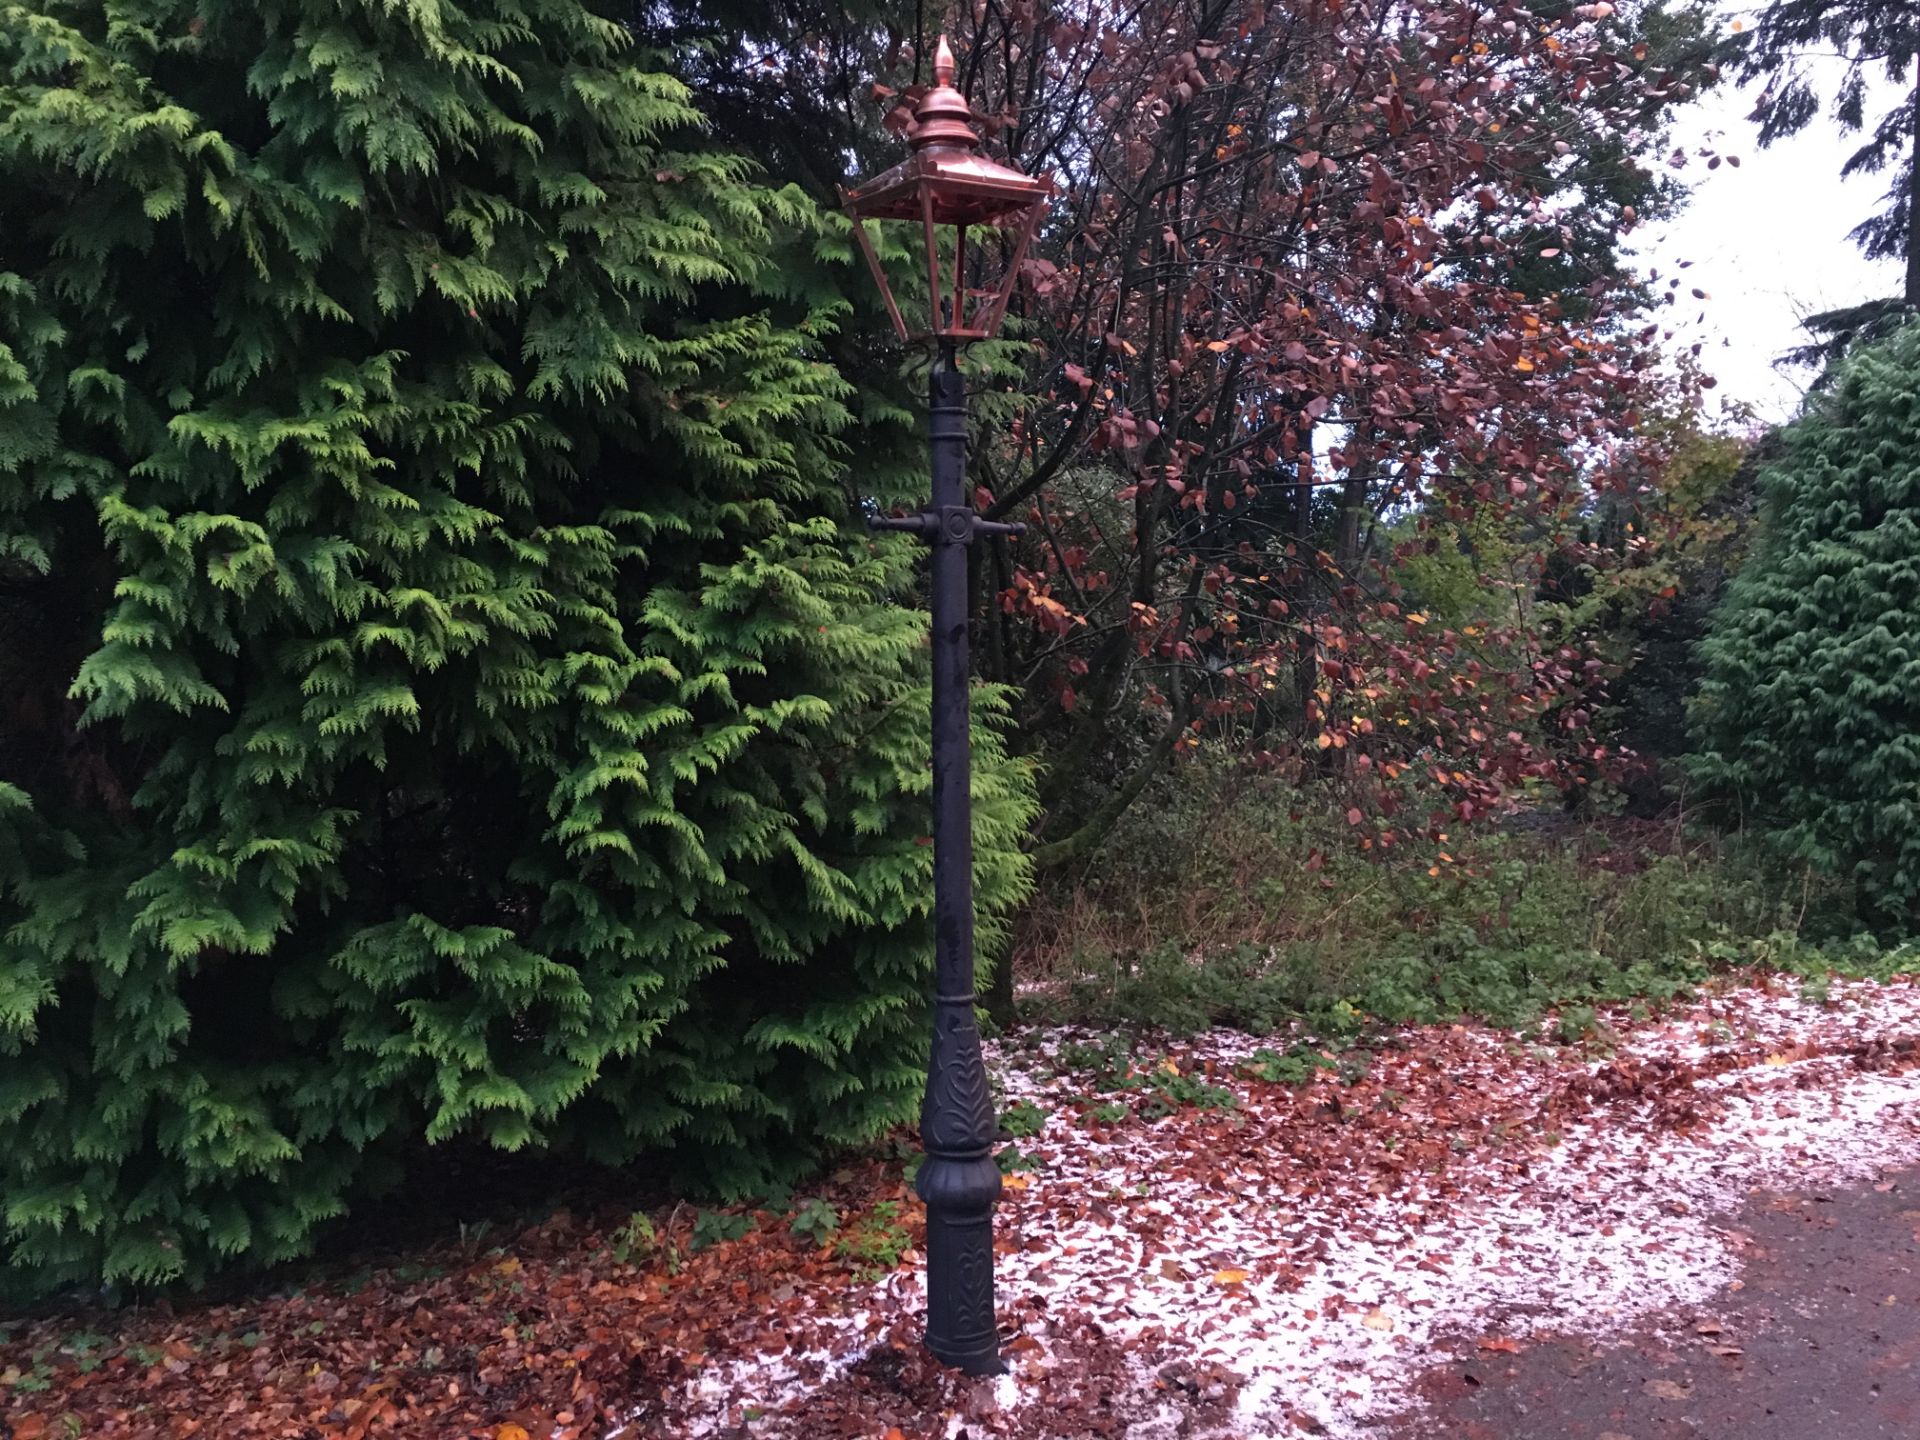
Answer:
[(964, 186), (948, 182)]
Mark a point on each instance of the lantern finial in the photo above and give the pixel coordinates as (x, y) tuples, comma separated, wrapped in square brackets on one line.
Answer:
[(944, 118)]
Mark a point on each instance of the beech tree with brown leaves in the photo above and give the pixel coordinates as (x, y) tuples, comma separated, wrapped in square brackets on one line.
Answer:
[(1324, 276), (1329, 290)]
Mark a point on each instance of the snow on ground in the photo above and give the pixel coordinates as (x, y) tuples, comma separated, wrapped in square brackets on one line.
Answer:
[(1269, 1258)]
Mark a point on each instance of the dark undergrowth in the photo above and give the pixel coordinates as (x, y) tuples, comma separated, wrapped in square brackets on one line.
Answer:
[(1228, 899)]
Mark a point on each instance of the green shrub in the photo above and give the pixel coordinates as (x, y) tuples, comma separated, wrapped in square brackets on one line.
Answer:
[(815, 1220), (875, 1242), (715, 1227), (636, 1239), (442, 689), (1808, 721), (1297, 1066), (1229, 899), (1023, 1119)]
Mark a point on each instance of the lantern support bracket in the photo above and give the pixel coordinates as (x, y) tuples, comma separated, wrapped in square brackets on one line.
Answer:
[(948, 525)]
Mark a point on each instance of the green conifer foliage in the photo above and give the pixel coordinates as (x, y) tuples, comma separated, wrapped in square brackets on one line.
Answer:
[(443, 691), (1808, 719)]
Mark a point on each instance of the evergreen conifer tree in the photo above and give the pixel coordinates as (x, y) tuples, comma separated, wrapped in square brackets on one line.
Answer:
[(443, 689), (1808, 718)]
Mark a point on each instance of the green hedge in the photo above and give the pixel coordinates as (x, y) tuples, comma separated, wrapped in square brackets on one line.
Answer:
[(442, 691), (1808, 719)]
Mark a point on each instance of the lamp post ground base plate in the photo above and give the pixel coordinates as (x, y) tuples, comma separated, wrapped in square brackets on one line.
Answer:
[(976, 1362)]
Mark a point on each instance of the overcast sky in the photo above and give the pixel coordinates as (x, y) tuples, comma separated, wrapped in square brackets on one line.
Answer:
[(1768, 242)]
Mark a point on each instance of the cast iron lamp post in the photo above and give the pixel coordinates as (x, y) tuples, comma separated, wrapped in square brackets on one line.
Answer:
[(947, 184)]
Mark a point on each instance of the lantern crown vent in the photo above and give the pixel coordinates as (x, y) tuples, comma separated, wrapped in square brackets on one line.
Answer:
[(943, 119)]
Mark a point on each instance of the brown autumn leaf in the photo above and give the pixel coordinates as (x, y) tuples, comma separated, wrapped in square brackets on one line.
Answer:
[(1667, 1389)]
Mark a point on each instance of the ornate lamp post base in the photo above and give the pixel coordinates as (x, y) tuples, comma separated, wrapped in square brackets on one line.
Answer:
[(960, 1191)]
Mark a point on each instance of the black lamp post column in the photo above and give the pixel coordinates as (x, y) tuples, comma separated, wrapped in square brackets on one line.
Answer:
[(958, 1178)]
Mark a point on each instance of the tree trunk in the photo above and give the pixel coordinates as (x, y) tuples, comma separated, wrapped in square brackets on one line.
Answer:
[(1302, 598), (1353, 511), (1913, 199)]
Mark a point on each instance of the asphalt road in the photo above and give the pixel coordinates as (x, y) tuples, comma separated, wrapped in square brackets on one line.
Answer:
[(1821, 1342)]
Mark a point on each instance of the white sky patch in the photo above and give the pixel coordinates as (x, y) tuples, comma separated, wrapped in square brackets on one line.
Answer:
[(1767, 240)]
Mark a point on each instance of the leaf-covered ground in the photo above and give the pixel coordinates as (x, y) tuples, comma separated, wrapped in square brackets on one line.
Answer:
[(1223, 1237)]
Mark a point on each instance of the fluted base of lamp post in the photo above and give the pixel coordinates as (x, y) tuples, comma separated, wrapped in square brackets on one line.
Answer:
[(959, 1182), (960, 1322)]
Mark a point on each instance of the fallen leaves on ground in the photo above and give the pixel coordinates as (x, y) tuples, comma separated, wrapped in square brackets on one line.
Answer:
[(1196, 1248), (548, 1335)]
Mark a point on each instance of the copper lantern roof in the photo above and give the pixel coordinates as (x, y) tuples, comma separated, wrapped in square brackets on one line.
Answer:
[(966, 188)]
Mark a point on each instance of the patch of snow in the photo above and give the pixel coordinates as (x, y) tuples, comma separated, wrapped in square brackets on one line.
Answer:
[(1612, 1228), (1322, 1277)]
